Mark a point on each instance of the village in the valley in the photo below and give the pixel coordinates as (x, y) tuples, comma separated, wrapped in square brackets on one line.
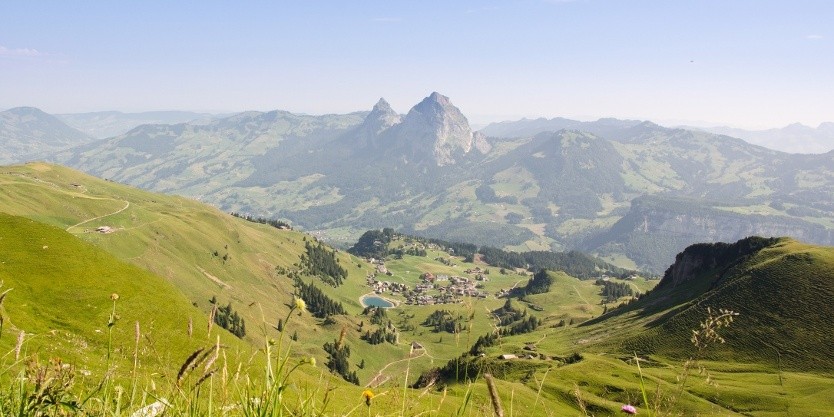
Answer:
[(432, 288)]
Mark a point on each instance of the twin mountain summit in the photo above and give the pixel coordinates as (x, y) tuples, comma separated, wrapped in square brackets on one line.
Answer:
[(629, 191)]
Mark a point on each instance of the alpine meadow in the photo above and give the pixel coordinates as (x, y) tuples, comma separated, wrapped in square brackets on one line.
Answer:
[(557, 208)]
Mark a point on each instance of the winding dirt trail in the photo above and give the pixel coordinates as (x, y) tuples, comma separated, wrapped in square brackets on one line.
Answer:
[(580, 295), (380, 377), (127, 204)]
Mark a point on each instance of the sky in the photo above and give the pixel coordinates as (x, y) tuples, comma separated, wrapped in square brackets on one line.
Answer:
[(742, 63)]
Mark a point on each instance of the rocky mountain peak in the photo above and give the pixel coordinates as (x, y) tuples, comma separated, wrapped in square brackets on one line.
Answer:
[(435, 125), (381, 117), (439, 98), (382, 106)]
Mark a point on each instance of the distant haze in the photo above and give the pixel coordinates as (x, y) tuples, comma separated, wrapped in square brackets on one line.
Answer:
[(746, 63)]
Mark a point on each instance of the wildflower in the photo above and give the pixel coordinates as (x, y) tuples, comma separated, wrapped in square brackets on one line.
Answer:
[(312, 361), (300, 304), (114, 296), (368, 395), (629, 409)]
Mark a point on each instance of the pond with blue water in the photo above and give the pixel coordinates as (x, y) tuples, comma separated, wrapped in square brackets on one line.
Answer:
[(374, 301)]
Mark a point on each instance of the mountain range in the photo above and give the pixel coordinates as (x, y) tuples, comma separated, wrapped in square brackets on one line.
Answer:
[(794, 138), (632, 191), (107, 124)]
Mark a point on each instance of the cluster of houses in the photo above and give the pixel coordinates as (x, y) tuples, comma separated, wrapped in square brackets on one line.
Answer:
[(382, 287), (433, 289)]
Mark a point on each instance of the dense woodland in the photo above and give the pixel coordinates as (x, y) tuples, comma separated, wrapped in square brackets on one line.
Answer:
[(512, 320), (576, 264)]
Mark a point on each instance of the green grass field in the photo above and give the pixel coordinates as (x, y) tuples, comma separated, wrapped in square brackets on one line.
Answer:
[(167, 256)]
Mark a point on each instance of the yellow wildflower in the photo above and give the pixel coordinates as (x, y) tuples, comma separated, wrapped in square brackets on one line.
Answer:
[(368, 395), (300, 304)]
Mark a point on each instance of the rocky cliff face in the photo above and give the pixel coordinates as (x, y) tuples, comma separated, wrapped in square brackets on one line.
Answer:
[(434, 129), (716, 257)]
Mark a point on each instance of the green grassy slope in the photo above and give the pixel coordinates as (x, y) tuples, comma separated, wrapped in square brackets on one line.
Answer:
[(176, 238), (781, 290), (185, 242), (60, 295), (200, 250)]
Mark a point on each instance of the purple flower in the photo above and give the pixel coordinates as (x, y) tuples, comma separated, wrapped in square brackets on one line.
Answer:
[(629, 409)]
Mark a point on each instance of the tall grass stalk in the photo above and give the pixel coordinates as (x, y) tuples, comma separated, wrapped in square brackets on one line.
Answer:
[(111, 321), (643, 387)]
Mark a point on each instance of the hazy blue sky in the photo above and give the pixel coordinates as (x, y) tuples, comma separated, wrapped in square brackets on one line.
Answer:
[(743, 63)]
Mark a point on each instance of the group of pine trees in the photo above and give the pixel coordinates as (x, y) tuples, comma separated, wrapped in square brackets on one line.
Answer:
[(322, 262), (381, 335), (227, 318), (319, 304), (513, 321), (386, 331), (338, 360), (278, 224), (539, 284), (612, 291), (444, 321)]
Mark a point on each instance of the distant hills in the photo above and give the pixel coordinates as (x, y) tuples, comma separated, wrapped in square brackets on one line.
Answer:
[(107, 124), (632, 191), (795, 138), (28, 133)]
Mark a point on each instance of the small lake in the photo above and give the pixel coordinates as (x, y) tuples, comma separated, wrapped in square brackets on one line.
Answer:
[(373, 301)]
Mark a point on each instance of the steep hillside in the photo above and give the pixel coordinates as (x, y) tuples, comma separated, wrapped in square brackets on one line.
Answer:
[(201, 251), (59, 295), (27, 133), (780, 288)]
